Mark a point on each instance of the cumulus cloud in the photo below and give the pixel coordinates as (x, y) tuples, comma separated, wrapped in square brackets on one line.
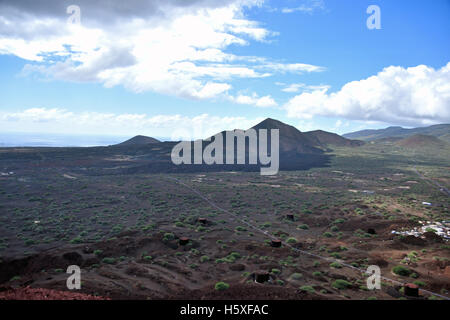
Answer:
[(308, 6), (296, 87), (409, 96), (176, 47), (298, 68), (254, 100), (177, 127)]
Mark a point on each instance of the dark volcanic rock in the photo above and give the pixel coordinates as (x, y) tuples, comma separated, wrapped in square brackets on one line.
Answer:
[(73, 258), (237, 267), (413, 240), (433, 237)]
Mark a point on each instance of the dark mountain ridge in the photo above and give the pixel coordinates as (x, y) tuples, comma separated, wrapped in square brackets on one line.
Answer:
[(138, 140), (324, 138), (441, 131)]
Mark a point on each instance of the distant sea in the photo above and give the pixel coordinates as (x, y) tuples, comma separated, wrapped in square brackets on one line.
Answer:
[(56, 140)]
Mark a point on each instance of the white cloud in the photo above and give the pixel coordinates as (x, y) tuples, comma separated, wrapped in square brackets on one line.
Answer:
[(62, 121), (170, 47), (37, 115), (294, 87), (298, 68), (305, 126), (255, 100), (309, 6), (408, 96)]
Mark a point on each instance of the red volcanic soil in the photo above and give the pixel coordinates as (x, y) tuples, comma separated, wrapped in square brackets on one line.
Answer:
[(28, 293)]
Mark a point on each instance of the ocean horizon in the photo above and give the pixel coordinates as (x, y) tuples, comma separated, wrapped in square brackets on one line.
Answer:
[(21, 139)]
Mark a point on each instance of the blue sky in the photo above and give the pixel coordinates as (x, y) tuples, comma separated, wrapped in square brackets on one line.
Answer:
[(313, 64)]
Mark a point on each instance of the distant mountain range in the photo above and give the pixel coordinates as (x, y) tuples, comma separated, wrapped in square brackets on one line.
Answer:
[(298, 150), (139, 140), (325, 138), (293, 142), (291, 139), (441, 131), (418, 141)]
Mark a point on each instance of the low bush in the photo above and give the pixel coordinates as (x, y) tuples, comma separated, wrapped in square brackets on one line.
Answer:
[(336, 265), (341, 284), (307, 289), (221, 286), (109, 260), (401, 271)]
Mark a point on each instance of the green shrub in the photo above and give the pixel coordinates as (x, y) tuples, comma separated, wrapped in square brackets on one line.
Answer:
[(335, 255), (76, 240), (364, 288), (204, 259), (419, 283), (221, 286), (168, 236), (201, 229), (109, 260), (276, 271), (401, 271), (232, 257), (336, 265), (266, 225), (307, 289), (291, 240), (29, 242), (341, 284), (303, 227), (235, 255), (296, 276)]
